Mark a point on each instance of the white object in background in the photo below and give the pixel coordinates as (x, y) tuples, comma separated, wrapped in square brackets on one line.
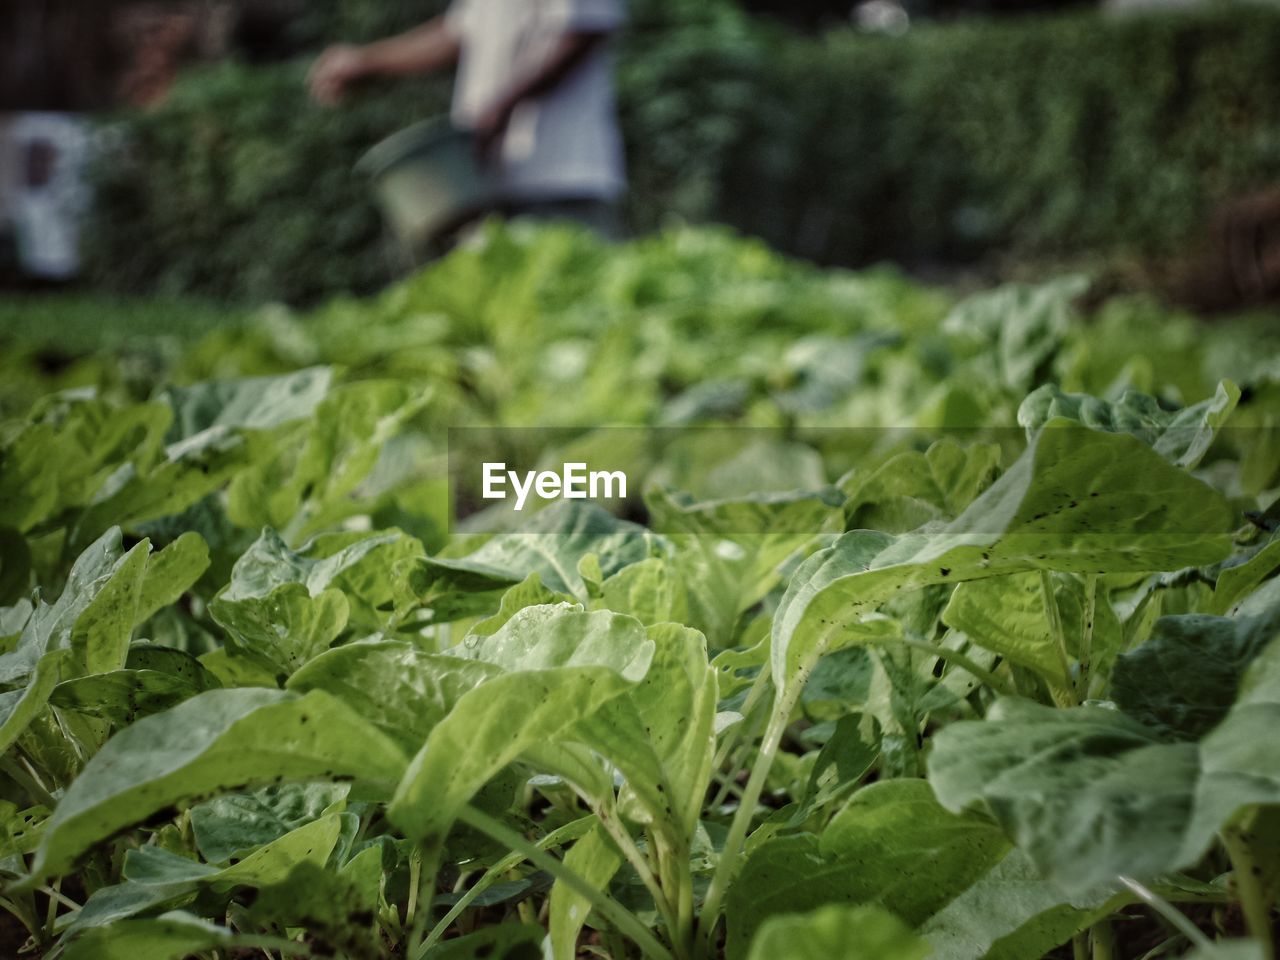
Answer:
[(564, 143), (49, 151), (8, 174), (882, 16)]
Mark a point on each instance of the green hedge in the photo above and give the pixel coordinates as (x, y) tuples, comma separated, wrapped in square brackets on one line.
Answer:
[(1048, 137), (1052, 137), (240, 189)]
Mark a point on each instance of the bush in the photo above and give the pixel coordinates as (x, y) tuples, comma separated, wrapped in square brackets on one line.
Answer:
[(240, 188), (1053, 137), (1049, 137)]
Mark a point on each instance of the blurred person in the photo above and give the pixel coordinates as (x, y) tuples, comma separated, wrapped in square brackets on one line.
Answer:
[(534, 86), (49, 192)]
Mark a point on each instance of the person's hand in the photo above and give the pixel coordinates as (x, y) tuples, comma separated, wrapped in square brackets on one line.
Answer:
[(489, 128), (333, 72)]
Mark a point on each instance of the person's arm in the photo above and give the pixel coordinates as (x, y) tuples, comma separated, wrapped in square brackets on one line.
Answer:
[(423, 49), (569, 51)]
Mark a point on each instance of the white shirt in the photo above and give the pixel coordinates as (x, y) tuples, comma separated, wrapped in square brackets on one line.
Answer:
[(564, 144), (47, 215)]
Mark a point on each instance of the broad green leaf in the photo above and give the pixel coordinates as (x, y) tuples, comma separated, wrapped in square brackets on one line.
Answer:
[(728, 550), (155, 878), (596, 860), (1183, 680), (268, 864), (661, 736), (123, 696), (251, 403), (550, 544), (822, 370), (189, 471), (232, 670), (841, 682), (219, 740), (714, 467), (1236, 580), (20, 832), (1020, 326), (564, 635), (360, 566), (892, 845), (1007, 616), (234, 823), (1183, 437), (172, 572), (177, 663), (49, 626), (13, 619), (564, 663), (286, 628), (19, 707), (333, 907), (1069, 785), (310, 484), (1239, 759), (1078, 500), (575, 764), (847, 756), (488, 728), (837, 932), (171, 936), (94, 617), (652, 591), (364, 873), (527, 593), (60, 458), (100, 637), (1012, 912), (394, 685), (781, 519), (914, 488)]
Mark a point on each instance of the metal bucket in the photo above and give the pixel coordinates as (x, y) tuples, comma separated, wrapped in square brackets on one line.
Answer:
[(427, 181)]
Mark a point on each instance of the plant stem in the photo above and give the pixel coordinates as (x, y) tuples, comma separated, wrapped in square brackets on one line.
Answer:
[(1086, 638), (758, 686), (677, 879), (1059, 634), (570, 831), (51, 913), (429, 859), (60, 897), (621, 918), (415, 876), (785, 702), (1253, 898), (960, 660), (1170, 913), (619, 835), (1080, 947), (728, 788), (1104, 940)]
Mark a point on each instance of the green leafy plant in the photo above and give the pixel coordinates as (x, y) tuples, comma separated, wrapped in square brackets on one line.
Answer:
[(999, 683)]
